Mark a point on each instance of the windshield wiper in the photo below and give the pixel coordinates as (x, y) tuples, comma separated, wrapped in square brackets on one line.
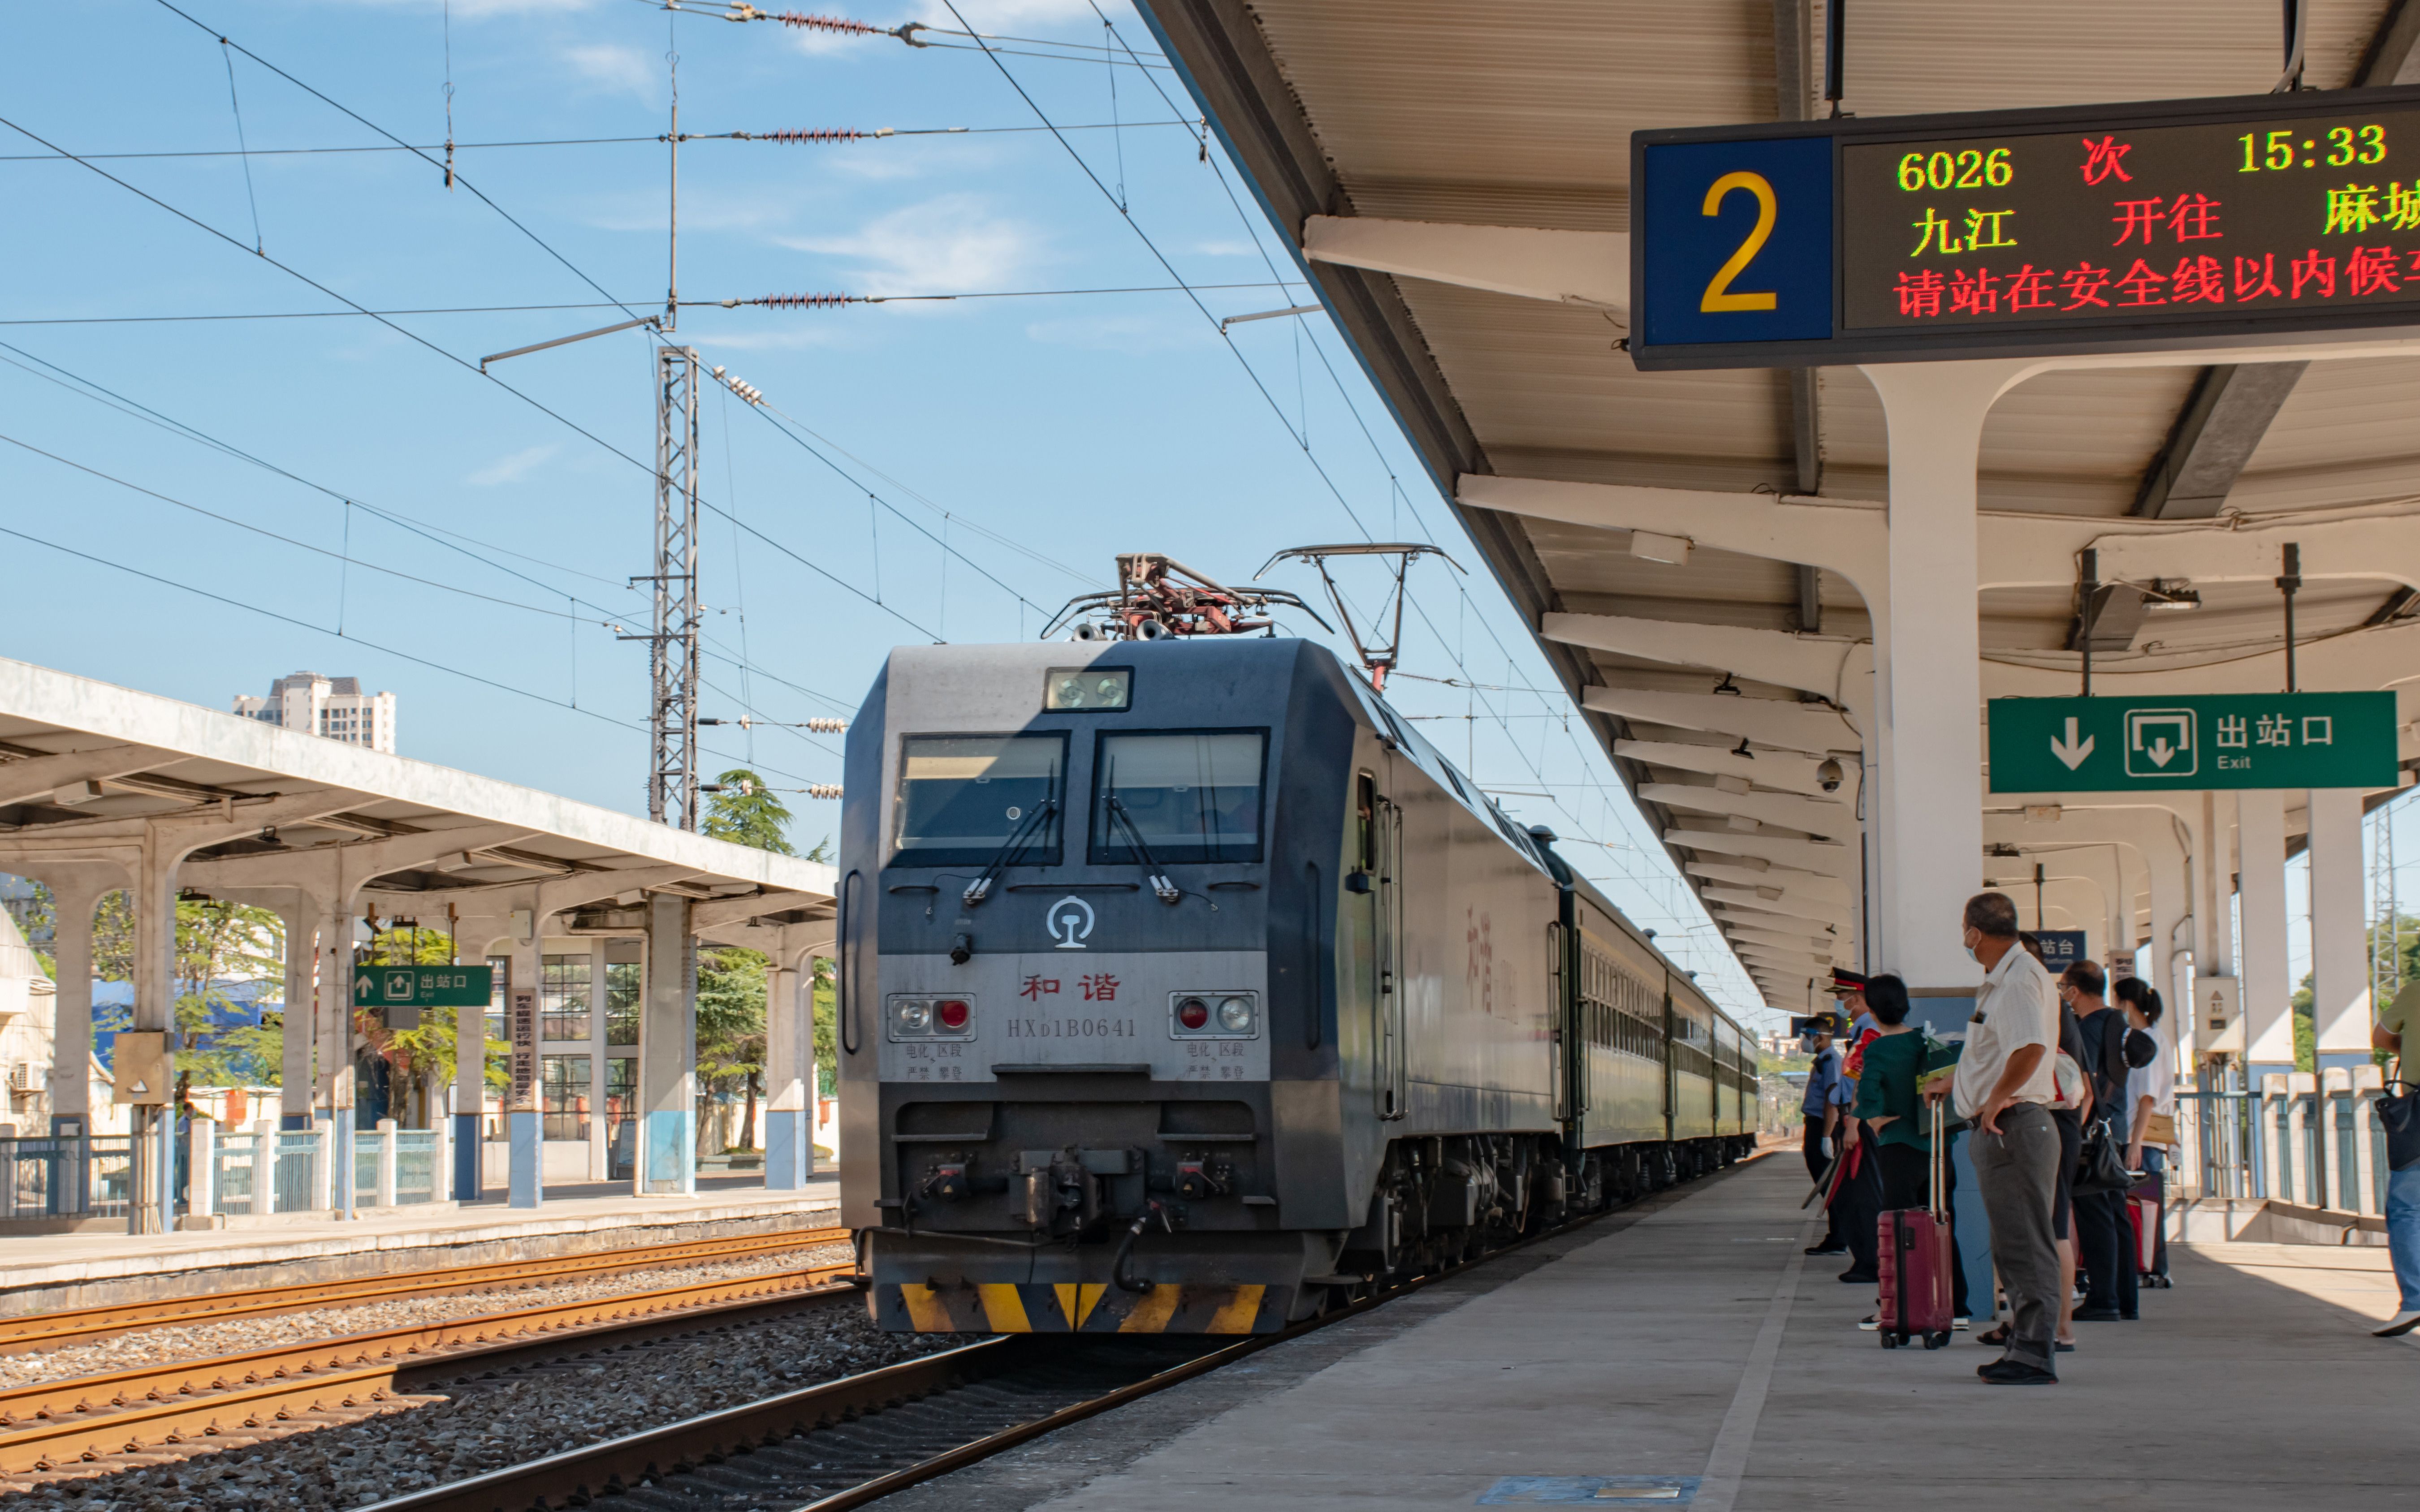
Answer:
[(1168, 892), (1009, 849)]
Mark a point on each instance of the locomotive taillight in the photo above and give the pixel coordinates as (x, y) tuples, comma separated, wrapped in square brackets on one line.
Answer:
[(952, 1013), (1193, 1013)]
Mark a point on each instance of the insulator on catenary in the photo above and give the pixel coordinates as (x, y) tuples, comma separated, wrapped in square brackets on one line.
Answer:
[(817, 133), (829, 727), (805, 302), (823, 790), (829, 23)]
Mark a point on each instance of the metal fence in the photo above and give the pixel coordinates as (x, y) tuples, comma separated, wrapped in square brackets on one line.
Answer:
[(80, 1176), (2313, 1140)]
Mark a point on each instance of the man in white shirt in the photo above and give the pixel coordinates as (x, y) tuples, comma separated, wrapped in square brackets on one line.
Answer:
[(2005, 1081)]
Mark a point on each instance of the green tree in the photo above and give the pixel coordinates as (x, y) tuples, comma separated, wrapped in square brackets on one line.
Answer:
[(416, 1055), (217, 942), (731, 1027), (746, 812)]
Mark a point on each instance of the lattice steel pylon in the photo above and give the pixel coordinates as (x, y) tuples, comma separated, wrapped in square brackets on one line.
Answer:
[(671, 655)]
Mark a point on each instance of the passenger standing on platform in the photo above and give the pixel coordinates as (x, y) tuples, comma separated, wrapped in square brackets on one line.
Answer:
[(1890, 1105), (2402, 1187), (2151, 1093), (1859, 1205), (2003, 1082), (1824, 1105), (2103, 1236)]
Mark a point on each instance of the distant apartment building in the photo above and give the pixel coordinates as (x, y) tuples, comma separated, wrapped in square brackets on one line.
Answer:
[(332, 706)]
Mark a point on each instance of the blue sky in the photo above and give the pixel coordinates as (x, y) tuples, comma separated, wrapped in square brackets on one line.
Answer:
[(473, 549)]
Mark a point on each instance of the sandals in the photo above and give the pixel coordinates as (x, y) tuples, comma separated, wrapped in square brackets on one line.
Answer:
[(1995, 1337)]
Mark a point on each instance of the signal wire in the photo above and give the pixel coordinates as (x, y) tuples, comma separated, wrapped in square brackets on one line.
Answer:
[(452, 177)]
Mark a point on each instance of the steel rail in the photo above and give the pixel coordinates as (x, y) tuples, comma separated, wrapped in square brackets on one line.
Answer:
[(48, 1331), (576, 1477), (53, 1423)]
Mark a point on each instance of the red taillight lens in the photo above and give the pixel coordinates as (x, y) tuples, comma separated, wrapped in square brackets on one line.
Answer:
[(1193, 1012), (952, 1013)]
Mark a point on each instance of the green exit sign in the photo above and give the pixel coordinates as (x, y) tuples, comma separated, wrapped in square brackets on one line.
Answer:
[(422, 986), (2236, 740)]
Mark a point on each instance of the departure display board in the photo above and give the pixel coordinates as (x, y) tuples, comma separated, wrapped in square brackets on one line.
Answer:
[(2115, 228)]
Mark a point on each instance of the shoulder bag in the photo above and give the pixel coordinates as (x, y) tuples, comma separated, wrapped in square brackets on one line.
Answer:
[(2101, 1165), (2398, 1113)]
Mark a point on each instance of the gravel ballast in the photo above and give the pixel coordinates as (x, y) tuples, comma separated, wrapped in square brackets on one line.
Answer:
[(477, 1425), (241, 1336)]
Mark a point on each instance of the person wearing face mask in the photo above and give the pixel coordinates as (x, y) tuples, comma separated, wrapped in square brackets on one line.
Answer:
[(2003, 1085)]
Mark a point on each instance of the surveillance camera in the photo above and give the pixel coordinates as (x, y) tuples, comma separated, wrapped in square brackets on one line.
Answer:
[(1828, 775)]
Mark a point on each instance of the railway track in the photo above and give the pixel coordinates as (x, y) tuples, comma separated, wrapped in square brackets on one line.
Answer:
[(57, 1423), (847, 1443), (48, 1331)]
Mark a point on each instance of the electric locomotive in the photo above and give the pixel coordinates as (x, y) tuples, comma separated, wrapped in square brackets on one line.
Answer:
[(1185, 988)]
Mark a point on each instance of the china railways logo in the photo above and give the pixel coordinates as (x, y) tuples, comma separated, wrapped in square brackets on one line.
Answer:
[(1070, 922)]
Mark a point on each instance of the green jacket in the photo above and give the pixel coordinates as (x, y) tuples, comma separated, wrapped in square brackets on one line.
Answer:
[(1893, 1063)]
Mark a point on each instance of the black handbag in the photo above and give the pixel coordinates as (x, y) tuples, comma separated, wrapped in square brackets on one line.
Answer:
[(2101, 1167), (2398, 1113)]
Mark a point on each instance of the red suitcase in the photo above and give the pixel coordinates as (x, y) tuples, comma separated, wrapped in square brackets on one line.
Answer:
[(1915, 1265), (2143, 1213)]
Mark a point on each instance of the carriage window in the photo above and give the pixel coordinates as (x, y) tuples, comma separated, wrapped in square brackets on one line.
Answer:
[(962, 797), (1192, 797)]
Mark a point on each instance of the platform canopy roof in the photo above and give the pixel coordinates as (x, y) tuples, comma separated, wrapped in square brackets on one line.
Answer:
[(1456, 179), (89, 769)]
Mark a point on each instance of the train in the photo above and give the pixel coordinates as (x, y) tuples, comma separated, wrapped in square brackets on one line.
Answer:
[(1184, 987)]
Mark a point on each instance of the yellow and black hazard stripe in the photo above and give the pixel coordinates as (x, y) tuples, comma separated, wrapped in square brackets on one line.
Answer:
[(1087, 1308)]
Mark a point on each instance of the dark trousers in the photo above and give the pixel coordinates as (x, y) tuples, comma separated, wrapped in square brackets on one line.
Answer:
[(1816, 1164), (2104, 1241), (1858, 1208), (1907, 1182)]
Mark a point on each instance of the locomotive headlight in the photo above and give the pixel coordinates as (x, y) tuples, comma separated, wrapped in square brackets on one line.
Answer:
[(915, 1017), (1235, 1016)]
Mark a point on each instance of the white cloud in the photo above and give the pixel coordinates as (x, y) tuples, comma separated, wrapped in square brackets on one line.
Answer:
[(949, 245), (512, 469), (1227, 249), (617, 69)]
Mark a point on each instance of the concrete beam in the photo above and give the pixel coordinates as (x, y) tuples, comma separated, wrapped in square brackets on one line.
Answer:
[(1590, 267), (1744, 872), (2374, 544), (1806, 855), (1833, 821), (722, 911), (36, 779), (1802, 906), (1848, 539), (1785, 770), (1814, 728), (1832, 667), (2221, 426)]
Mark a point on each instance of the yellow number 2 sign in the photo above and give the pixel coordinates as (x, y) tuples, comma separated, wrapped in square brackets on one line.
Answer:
[(1719, 296)]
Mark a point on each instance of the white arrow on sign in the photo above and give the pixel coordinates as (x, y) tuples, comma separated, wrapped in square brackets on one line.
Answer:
[(2068, 750), (363, 989), (2160, 751)]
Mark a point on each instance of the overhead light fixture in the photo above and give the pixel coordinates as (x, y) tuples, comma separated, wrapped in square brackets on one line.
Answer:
[(2171, 595)]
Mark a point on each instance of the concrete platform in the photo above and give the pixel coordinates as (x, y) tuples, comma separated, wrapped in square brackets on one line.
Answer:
[(1695, 1347), (43, 1272)]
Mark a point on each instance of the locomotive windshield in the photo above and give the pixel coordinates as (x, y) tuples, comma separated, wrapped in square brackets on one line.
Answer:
[(1194, 796), (962, 797)]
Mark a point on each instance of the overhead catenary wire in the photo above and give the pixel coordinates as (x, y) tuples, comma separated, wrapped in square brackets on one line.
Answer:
[(435, 534), (812, 135)]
